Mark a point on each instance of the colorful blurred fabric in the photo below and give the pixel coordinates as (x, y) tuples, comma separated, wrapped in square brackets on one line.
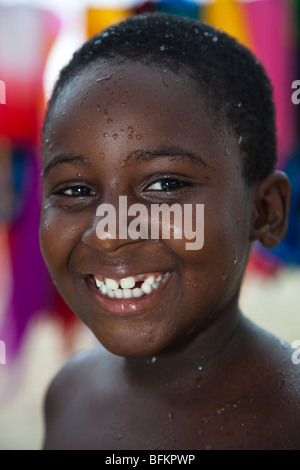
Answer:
[(268, 27), (26, 37)]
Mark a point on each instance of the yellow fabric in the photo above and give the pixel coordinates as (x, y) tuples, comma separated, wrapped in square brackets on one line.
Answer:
[(231, 17), (99, 19)]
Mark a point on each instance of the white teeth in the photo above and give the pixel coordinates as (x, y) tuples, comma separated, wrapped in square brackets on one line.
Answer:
[(146, 288), (137, 292), (111, 293), (127, 293), (127, 282), (119, 293), (150, 279), (110, 287), (111, 283), (103, 288), (98, 283)]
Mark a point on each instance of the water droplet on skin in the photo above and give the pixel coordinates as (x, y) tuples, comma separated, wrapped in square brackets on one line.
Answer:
[(153, 359), (199, 381), (104, 134), (240, 139), (200, 367), (109, 120), (130, 136), (162, 47), (115, 136), (139, 137), (220, 410), (223, 277), (130, 128), (171, 416), (205, 419), (101, 155), (239, 105), (215, 39)]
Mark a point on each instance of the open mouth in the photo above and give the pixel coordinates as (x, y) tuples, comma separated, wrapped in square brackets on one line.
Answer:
[(130, 287)]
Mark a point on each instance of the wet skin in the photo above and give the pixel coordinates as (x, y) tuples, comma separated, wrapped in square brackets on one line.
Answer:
[(146, 133), (114, 125)]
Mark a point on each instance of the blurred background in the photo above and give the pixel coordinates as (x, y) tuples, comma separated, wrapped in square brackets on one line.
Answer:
[(38, 333)]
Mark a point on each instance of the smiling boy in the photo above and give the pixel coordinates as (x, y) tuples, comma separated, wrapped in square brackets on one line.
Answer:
[(165, 110)]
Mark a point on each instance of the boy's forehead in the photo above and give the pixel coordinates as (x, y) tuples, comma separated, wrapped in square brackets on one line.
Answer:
[(129, 105), (114, 79), (107, 90)]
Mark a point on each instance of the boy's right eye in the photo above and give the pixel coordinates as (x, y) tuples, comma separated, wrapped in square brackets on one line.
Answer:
[(76, 191)]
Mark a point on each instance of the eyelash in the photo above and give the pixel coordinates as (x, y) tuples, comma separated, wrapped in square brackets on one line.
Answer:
[(172, 184), (80, 189)]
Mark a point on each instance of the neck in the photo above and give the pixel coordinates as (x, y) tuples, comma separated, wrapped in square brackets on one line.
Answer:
[(197, 354)]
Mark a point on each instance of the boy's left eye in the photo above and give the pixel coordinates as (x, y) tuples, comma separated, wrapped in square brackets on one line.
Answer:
[(77, 191), (167, 184)]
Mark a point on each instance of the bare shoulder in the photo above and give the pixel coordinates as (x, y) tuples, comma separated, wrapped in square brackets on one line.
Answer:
[(73, 397), (271, 374)]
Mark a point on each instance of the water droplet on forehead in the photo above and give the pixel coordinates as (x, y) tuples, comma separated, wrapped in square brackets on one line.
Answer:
[(163, 47)]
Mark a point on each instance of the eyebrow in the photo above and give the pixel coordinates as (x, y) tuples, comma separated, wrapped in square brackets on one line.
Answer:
[(131, 158), (60, 159), (173, 152)]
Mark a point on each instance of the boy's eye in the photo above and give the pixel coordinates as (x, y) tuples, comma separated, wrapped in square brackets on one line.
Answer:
[(77, 191), (167, 184)]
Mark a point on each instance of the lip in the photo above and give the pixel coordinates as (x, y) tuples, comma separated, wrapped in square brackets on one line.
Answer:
[(127, 307)]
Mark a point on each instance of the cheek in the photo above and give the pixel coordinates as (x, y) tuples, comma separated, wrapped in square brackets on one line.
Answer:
[(57, 237), (212, 272)]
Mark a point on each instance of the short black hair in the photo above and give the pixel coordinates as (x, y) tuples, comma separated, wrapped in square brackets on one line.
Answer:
[(231, 80)]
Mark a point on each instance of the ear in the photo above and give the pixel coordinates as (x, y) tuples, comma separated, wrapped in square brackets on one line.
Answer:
[(271, 204)]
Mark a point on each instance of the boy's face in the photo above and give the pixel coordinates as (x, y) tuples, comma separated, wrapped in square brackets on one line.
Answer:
[(145, 133)]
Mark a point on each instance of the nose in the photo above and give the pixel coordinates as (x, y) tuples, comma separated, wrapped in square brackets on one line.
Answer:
[(109, 230)]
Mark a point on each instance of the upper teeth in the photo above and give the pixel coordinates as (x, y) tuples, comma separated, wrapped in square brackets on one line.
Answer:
[(125, 288)]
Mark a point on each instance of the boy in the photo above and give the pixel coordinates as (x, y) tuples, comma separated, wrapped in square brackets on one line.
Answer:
[(164, 110)]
